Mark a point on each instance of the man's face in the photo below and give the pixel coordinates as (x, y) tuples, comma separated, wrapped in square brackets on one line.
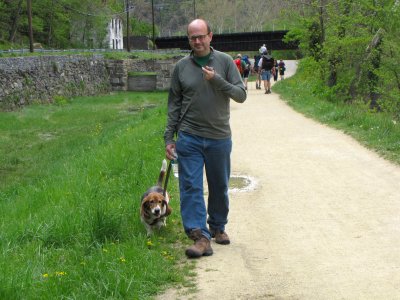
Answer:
[(199, 38)]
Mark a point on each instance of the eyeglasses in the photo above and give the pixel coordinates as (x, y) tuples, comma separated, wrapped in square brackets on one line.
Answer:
[(200, 37)]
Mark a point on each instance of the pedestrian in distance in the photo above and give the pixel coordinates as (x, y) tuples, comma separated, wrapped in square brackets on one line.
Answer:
[(263, 49), (282, 69), (256, 71), (240, 64), (247, 70), (202, 85), (275, 70), (265, 65)]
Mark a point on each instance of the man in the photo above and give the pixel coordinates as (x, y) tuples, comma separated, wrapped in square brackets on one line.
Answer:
[(202, 85), (265, 65)]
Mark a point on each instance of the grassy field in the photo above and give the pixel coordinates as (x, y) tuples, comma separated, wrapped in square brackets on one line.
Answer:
[(72, 174), (377, 131)]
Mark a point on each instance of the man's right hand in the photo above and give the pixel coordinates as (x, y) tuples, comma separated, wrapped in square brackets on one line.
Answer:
[(170, 151)]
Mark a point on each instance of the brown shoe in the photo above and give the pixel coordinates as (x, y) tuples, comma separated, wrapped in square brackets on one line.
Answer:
[(221, 237), (201, 247)]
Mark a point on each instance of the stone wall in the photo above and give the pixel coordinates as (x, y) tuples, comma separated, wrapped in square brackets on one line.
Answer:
[(119, 70), (38, 79)]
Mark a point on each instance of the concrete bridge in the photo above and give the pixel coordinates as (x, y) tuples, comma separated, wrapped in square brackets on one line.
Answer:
[(243, 41)]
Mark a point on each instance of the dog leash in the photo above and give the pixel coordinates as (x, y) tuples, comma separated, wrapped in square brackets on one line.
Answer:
[(167, 178)]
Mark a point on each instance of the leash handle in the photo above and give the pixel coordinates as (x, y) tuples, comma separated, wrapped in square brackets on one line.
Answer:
[(167, 178)]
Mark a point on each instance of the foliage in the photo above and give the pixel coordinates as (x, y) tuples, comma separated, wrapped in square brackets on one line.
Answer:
[(355, 45), (354, 42), (142, 28), (151, 55), (82, 23), (58, 23)]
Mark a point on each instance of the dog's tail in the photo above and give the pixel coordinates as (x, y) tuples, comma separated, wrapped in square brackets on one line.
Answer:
[(162, 173)]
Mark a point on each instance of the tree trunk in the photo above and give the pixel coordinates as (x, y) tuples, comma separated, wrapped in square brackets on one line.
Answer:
[(332, 80), (128, 25), (29, 11), (375, 62), (321, 23), (336, 57), (49, 34), (84, 31), (14, 24)]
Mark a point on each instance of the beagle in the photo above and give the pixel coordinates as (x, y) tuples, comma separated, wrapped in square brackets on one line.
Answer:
[(155, 208)]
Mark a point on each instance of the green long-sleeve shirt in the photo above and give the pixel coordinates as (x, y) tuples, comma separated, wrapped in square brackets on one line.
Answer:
[(208, 112)]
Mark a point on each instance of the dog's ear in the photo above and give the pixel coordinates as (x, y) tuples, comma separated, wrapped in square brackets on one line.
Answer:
[(144, 207), (168, 210)]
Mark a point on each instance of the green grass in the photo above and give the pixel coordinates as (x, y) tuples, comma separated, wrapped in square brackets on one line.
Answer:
[(141, 73), (377, 131), (72, 175)]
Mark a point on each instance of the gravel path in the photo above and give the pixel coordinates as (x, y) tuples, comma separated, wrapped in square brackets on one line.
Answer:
[(323, 221)]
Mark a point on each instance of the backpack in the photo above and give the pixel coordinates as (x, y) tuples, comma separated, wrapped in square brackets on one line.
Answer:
[(238, 63), (247, 62), (267, 62)]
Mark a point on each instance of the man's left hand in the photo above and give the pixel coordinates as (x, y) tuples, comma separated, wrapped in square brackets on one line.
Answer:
[(208, 72)]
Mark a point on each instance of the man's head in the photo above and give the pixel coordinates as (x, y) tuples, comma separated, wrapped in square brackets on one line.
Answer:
[(200, 36), (239, 56)]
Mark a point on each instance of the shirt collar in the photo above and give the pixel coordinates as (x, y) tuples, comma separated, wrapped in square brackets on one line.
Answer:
[(211, 53)]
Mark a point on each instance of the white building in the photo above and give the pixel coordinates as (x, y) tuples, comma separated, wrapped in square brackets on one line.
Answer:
[(115, 34)]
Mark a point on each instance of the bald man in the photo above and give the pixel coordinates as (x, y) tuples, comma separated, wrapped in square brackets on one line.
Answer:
[(202, 85)]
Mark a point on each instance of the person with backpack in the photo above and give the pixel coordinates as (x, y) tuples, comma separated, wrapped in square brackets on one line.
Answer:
[(266, 64), (240, 64), (282, 69), (246, 71)]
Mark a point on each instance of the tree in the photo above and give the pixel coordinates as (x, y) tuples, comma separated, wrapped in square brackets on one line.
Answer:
[(29, 13), (355, 46), (14, 21)]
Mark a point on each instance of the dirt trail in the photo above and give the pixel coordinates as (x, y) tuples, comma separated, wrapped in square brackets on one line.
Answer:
[(323, 221)]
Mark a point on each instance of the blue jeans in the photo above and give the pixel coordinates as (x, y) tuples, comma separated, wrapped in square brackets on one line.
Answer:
[(265, 75), (195, 153)]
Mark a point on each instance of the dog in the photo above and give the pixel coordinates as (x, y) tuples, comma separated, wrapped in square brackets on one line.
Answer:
[(155, 207)]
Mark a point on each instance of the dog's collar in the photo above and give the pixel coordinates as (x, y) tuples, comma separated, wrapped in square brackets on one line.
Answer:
[(156, 220)]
